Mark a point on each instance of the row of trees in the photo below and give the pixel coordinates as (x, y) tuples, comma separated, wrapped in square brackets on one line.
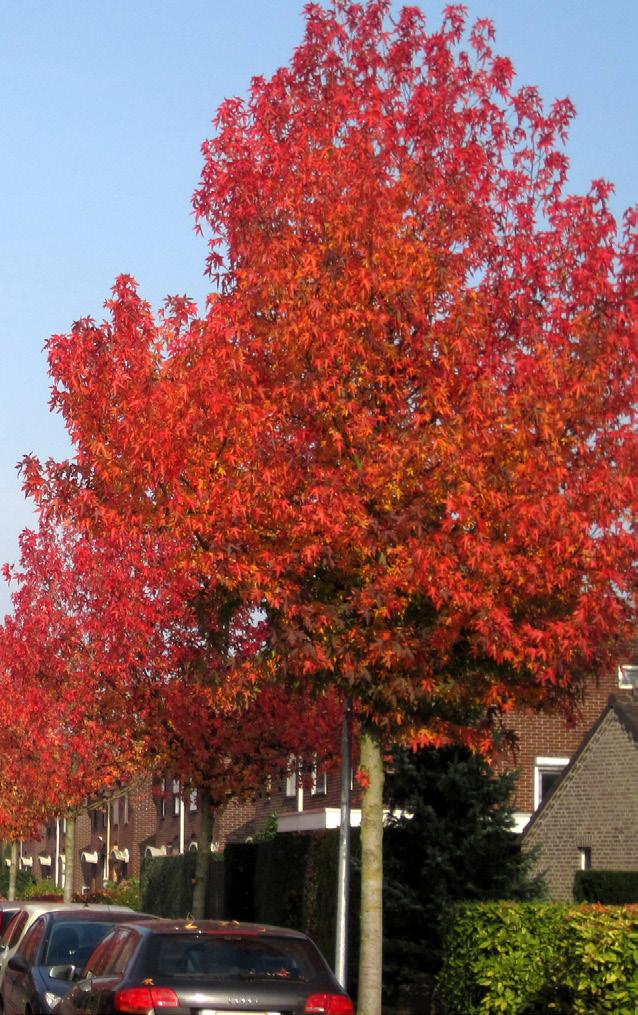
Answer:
[(392, 463)]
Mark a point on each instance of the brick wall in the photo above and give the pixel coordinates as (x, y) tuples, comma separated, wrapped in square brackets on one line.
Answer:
[(548, 736), (594, 806)]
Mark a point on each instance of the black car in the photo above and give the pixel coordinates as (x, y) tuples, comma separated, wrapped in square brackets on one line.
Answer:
[(205, 968), (60, 937)]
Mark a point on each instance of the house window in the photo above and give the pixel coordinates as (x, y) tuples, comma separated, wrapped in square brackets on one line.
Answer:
[(176, 797), (125, 809), (116, 811), (319, 781), (192, 801), (628, 676), (584, 853), (547, 772), (291, 776), (163, 798)]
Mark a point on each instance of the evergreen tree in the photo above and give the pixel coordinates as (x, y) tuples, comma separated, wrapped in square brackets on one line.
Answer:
[(450, 836)]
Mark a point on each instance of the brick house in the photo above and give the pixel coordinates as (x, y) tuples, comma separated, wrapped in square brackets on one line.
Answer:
[(150, 817), (546, 743), (590, 817)]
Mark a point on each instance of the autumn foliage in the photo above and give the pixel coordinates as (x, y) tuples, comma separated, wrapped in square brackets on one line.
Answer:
[(403, 433), (404, 429)]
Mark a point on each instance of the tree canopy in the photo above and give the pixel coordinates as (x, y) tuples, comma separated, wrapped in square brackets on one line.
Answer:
[(403, 431)]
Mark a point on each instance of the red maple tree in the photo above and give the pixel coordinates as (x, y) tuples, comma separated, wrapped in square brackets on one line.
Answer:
[(405, 429), (69, 727)]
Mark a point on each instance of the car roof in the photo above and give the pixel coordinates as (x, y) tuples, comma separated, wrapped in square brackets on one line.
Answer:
[(90, 912), (165, 925), (73, 907)]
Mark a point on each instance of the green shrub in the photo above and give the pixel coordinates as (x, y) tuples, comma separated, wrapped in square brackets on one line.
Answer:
[(613, 888), (598, 965), (24, 879), (122, 893), (46, 888), (496, 956), (535, 958)]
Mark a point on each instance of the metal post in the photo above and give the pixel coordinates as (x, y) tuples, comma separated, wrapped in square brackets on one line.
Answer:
[(182, 823), (343, 864)]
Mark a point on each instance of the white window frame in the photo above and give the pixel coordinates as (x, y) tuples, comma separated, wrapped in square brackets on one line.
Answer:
[(177, 798), (584, 858), (319, 781), (541, 765), (628, 676), (292, 776)]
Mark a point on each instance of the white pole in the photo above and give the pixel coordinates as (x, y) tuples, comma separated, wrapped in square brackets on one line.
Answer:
[(182, 823), (57, 852), (343, 862)]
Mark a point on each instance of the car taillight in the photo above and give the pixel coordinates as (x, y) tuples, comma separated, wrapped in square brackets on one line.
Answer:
[(141, 1000), (329, 1004)]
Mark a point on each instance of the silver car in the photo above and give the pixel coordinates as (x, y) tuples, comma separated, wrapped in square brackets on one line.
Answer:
[(25, 916)]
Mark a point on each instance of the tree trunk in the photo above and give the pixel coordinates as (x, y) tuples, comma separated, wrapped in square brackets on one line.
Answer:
[(202, 863), (371, 955), (69, 858), (13, 871)]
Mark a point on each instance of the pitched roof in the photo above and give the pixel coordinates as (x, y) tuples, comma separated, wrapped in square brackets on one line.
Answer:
[(625, 706)]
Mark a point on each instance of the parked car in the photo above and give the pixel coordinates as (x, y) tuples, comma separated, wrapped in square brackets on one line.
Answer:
[(205, 967), (28, 910), (63, 933), (8, 910)]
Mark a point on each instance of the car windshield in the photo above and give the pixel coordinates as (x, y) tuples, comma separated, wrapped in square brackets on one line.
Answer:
[(74, 941), (216, 956)]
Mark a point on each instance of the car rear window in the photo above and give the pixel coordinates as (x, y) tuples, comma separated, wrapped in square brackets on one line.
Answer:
[(216, 956)]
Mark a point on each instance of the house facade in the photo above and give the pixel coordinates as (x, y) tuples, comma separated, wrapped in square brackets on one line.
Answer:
[(545, 744), (153, 817), (149, 817), (590, 818)]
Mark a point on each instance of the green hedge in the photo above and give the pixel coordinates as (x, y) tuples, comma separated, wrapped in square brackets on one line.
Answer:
[(533, 958), (613, 888), (290, 881), (166, 885)]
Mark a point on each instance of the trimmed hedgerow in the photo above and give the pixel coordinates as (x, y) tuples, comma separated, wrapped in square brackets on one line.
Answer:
[(166, 885), (613, 888), (533, 958), (291, 881)]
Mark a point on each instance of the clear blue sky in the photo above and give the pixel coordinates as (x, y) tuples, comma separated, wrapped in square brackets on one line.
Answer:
[(103, 107)]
